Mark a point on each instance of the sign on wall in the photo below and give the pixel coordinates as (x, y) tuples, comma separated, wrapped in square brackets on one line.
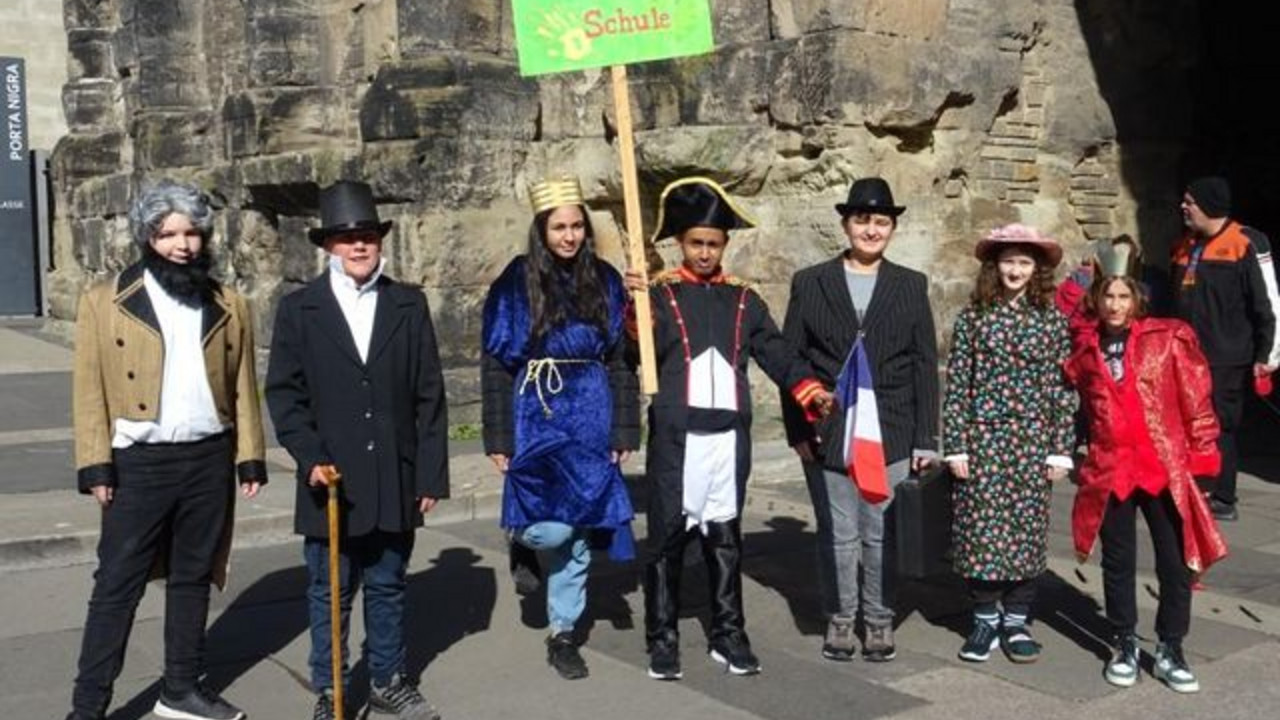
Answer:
[(18, 293), (562, 35)]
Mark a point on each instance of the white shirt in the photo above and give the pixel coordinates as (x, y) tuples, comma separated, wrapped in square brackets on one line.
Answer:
[(187, 412), (359, 303)]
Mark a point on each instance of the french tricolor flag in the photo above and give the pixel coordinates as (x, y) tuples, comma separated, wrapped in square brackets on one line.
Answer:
[(863, 452)]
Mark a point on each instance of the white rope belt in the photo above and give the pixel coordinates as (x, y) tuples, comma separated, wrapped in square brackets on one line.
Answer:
[(546, 372)]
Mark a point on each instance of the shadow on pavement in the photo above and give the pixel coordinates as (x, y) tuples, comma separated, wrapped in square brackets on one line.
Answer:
[(452, 599), (782, 558)]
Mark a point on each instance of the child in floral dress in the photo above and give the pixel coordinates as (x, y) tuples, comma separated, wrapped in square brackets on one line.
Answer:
[(1007, 434)]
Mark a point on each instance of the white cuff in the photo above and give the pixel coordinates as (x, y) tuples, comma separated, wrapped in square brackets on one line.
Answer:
[(959, 457), (1059, 461)]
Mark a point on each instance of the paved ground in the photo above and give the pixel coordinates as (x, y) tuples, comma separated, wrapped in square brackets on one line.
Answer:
[(479, 648)]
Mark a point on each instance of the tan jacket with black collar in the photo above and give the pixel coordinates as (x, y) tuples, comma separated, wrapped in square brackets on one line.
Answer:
[(119, 363)]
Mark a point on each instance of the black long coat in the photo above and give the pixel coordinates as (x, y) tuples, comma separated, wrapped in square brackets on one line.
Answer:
[(900, 344), (383, 422)]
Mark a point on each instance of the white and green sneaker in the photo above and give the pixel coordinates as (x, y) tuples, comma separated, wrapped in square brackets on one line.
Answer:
[(1122, 669), (1171, 669)]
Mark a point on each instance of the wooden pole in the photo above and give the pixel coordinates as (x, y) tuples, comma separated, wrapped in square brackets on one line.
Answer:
[(635, 231), (335, 595)]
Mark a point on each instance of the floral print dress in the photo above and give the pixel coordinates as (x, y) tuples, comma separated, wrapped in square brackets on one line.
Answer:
[(1008, 408)]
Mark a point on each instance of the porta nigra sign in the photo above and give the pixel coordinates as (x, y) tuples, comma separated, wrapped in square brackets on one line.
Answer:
[(562, 35)]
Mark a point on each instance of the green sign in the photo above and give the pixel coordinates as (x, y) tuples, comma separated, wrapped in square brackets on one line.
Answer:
[(562, 35)]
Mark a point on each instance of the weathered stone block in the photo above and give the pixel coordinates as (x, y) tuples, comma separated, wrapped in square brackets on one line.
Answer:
[(450, 95), (240, 125), (793, 18), (574, 104), (90, 54), (301, 118), (734, 22), (89, 13), (284, 45), (427, 27), (84, 155), (444, 170), (739, 157), (92, 104), (174, 140), (919, 19), (728, 86), (102, 196)]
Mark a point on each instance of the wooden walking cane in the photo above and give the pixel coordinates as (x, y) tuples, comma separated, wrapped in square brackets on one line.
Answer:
[(335, 591)]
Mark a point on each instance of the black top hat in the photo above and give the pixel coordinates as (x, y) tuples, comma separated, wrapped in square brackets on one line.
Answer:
[(347, 206), (697, 202), (870, 195)]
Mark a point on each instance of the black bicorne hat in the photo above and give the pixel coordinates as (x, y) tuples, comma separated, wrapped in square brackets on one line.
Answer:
[(347, 206), (870, 195), (697, 202)]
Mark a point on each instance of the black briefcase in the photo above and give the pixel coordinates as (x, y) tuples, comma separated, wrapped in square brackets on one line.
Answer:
[(922, 524)]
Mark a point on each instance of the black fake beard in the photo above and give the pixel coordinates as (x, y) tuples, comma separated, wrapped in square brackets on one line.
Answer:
[(189, 284)]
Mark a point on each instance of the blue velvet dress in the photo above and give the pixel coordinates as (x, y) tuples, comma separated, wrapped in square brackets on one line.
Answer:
[(561, 469)]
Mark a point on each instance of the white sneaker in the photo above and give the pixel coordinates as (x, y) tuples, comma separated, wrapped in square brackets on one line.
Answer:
[(1122, 669), (1171, 669)]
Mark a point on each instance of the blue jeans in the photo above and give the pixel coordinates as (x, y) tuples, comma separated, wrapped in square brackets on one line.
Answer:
[(569, 557), (851, 532), (378, 561)]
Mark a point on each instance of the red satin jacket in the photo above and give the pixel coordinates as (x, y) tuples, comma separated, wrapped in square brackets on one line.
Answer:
[(1162, 410)]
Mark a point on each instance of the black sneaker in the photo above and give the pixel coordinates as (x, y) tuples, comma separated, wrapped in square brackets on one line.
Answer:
[(324, 706), (1224, 511), (982, 640), (1018, 645), (840, 644), (401, 699), (733, 650), (563, 655), (664, 660), (197, 704)]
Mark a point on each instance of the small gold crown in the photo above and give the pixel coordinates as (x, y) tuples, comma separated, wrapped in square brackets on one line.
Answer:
[(551, 194), (1116, 257)]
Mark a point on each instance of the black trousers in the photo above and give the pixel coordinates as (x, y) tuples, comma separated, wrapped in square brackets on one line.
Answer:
[(1119, 558), (722, 552), (172, 499), (1015, 597), (1230, 383)]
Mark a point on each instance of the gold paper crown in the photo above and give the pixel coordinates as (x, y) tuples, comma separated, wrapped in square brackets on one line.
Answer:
[(1116, 257), (551, 194)]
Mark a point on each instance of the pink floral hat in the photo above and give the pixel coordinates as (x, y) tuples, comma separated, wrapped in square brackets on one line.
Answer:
[(1018, 234)]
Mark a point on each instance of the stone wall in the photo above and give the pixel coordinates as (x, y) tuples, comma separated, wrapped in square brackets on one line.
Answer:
[(979, 112), (32, 30)]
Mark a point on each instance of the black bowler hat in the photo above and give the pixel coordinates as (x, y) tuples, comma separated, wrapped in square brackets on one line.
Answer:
[(870, 195), (697, 202), (347, 206)]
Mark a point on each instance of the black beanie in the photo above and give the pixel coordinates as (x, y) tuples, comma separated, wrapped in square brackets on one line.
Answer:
[(1212, 194)]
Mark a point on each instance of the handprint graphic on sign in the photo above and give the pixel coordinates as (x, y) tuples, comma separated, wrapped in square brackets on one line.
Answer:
[(557, 27)]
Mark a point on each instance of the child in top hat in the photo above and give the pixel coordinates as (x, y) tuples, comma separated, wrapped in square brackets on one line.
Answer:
[(707, 324), (1129, 368), (355, 383), (1008, 434)]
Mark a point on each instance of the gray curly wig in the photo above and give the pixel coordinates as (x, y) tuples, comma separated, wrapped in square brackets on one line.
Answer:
[(162, 199)]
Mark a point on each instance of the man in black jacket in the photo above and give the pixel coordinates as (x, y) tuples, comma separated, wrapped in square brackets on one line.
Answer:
[(354, 382), (1224, 286), (861, 294)]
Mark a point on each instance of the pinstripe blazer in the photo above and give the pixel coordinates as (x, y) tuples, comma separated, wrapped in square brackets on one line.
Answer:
[(900, 344)]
